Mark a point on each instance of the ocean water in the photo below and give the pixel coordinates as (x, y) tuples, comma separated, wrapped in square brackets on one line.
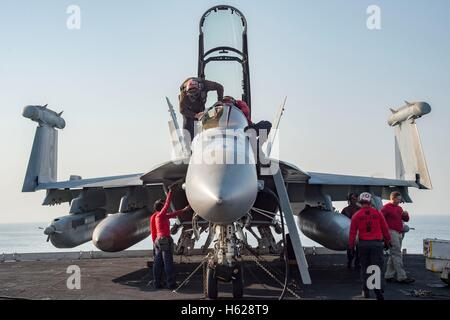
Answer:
[(29, 237)]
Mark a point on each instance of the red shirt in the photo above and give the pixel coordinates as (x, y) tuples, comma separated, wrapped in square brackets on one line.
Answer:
[(369, 224), (394, 216), (159, 221), (245, 109)]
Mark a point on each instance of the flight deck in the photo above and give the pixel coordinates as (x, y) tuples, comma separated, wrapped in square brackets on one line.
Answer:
[(126, 275)]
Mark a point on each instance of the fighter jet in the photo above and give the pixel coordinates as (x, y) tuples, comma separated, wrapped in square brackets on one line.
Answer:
[(229, 198)]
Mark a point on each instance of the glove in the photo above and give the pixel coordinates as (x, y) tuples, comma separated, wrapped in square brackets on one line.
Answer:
[(175, 184), (387, 245)]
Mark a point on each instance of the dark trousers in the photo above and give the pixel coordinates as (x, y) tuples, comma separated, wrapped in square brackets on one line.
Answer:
[(163, 260), (353, 255), (189, 124), (262, 137), (259, 127), (370, 253)]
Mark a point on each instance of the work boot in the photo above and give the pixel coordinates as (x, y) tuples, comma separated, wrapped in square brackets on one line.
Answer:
[(172, 286), (379, 295), (155, 285), (408, 280), (365, 294)]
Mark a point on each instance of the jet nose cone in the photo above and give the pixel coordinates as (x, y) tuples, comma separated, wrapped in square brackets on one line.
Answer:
[(221, 194)]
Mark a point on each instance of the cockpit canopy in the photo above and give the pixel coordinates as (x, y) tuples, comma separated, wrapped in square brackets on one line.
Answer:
[(224, 116), (223, 51)]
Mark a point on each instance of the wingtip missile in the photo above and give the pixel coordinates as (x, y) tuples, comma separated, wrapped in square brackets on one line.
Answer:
[(411, 111), (44, 115)]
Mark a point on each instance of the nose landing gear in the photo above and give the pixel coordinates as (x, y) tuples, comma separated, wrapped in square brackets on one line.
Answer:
[(223, 266)]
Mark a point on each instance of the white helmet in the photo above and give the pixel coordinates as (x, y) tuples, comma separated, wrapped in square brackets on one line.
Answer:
[(365, 197)]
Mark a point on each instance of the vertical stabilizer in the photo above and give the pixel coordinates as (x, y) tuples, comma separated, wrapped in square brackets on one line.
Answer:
[(410, 163), (42, 166)]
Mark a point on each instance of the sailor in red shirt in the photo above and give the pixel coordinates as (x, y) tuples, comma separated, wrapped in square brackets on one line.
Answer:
[(372, 230), (395, 216), (162, 241), (261, 129)]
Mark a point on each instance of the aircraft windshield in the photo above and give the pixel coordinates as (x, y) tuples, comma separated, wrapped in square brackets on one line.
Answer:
[(224, 117)]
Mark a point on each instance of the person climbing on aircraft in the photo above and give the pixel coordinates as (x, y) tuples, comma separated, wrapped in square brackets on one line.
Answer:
[(373, 232), (162, 241), (261, 128), (192, 98)]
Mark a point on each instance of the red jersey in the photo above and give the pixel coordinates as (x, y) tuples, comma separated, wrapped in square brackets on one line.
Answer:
[(245, 109), (368, 224), (394, 216), (159, 221)]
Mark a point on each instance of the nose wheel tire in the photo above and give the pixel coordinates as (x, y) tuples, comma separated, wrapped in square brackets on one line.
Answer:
[(212, 288)]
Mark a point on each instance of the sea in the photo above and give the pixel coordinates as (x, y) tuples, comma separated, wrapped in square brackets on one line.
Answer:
[(30, 238)]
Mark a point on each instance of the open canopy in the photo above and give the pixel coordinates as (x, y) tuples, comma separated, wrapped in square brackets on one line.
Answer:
[(223, 51)]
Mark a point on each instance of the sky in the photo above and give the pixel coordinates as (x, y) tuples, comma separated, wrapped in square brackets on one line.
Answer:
[(111, 76)]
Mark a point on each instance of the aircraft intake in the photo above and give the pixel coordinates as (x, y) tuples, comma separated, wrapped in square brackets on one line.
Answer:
[(325, 227), (120, 231)]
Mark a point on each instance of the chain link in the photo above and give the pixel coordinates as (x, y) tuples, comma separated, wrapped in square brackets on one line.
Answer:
[(202, 264), (255, 259)]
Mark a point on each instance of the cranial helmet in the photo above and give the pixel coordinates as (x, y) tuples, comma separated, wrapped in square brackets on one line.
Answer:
[(365, 197), (192, 85)]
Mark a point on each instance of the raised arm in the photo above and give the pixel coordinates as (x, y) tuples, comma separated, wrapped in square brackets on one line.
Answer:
[(214, 86), (166, 204)]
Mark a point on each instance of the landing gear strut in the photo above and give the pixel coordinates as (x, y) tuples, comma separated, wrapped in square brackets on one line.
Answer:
[(223, 266)]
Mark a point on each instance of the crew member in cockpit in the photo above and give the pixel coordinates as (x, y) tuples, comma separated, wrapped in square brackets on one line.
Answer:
[(193, 95), (262, 128)]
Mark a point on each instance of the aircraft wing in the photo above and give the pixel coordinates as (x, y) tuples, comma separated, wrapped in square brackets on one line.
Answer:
[(168, 171), (312, 187), (345, 180), (116, 186), (103, 182)]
